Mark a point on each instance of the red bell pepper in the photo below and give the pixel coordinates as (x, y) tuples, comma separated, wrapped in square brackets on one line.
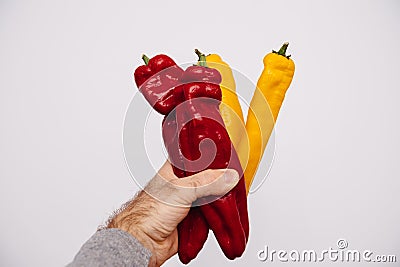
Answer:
[(196, 139), (157, 80)]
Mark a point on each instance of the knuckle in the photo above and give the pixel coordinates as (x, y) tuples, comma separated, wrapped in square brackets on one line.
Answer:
[(208, 176), (195, 183), (212, 175), (174, 182), (174, 185)]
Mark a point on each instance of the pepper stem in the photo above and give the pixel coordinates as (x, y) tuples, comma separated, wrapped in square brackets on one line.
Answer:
[(282, 50), (145, 59), (202, 58)]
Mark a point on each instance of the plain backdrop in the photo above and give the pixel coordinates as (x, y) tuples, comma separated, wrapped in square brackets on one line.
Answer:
[(66, 82)]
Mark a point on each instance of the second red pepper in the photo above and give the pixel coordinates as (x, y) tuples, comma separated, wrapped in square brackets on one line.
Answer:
[(196, 139)]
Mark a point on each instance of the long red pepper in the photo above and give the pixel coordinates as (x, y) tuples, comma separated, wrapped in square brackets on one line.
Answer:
[(196, 126), (158, 81)]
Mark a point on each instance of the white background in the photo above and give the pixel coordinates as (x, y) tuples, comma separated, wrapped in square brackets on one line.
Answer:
[(66, 81)]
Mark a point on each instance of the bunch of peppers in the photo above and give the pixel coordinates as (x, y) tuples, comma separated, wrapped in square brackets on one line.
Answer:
[(197, 137)]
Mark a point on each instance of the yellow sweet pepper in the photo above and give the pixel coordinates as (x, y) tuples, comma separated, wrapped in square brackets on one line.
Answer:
[(264, 108), (229, 108)]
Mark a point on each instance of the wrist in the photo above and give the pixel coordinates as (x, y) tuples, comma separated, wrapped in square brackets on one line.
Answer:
[(140, 234), (128, 221)]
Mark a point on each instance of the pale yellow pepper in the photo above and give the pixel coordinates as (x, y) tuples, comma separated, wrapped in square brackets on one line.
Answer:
[(229, 108), (264, 108)]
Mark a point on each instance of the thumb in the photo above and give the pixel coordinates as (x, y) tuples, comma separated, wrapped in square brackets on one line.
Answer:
[(207, 183)]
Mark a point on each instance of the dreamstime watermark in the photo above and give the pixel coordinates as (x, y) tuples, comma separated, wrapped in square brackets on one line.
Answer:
[(339, 254)]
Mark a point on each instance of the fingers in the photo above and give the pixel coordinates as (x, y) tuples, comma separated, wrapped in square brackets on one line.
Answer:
[(182, 192), (206, 183)]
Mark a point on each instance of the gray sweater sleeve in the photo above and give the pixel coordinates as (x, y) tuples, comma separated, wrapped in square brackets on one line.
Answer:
[(112, 247)]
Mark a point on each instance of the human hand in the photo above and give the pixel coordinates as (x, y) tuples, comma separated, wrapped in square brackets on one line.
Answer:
[(153, 216)]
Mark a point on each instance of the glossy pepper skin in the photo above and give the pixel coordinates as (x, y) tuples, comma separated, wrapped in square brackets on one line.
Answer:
[(195, 134), (264, 108), (157, 80), (200, 128)]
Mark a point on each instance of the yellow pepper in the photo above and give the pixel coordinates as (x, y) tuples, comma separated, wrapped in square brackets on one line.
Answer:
[(264, 108), (229, 108)]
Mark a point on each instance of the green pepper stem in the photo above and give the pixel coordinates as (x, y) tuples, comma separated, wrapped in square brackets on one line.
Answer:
[(145, 59), (202, 58), (282, 50)]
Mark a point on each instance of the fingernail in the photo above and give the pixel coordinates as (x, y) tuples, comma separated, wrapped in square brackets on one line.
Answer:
[(231, 176)]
